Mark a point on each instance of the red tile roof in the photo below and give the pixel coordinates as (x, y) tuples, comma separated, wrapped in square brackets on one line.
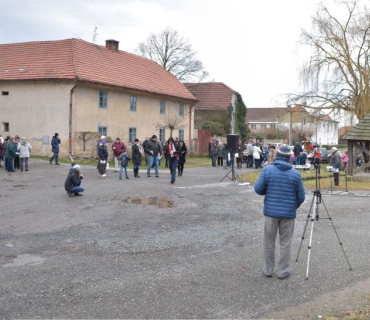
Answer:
[(211, 95), (84, 61)]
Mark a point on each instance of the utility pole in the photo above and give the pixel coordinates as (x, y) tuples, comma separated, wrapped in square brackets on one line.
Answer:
[(290, 124)]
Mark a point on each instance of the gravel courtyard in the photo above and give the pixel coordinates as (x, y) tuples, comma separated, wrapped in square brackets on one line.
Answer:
[(143, 248)]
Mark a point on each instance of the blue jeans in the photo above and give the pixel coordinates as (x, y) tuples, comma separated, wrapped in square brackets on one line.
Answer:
[(78, 188), (153, 159), (121, 171), (136, 166), (9, 164), (214, 160), (173, 165)]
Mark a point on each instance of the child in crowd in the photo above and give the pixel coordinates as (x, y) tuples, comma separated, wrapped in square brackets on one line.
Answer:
[(125, 158), (359, 161)]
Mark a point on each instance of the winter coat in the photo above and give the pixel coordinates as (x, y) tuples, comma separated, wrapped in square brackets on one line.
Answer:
[(2, 150), (124, 160), (119, 148), (165, 150), (250, 149), (55, 144), (154, 146), (145, 145), (182, 154), (220, 149), (214, 150), (256, 152), (103, 152), (344, 157), (336, 160), (225, 152), (283, 189), (297, 150), (136, 154), (11, 150), (24, 149), (72, 180), (175, 153), (303, 158)]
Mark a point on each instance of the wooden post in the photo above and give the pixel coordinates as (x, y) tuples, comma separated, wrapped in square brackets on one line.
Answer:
[(350, 158)]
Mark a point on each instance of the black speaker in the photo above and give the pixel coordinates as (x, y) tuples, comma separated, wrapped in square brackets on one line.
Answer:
[(232, 142)]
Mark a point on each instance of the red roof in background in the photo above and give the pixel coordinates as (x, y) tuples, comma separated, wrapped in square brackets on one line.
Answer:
[(211, 95), (84, 61)]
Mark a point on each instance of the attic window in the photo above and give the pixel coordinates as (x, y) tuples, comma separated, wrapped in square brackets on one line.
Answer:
[(5, 93)]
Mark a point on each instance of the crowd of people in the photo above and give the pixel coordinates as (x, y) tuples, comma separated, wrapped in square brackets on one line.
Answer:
[(14, 153)]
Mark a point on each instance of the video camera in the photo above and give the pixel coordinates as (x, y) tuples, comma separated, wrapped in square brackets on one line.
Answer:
[(316, 161)]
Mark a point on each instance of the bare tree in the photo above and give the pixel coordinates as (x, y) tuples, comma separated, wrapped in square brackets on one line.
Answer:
[(174, 53), (337, 76), (171, 121), (87, 136)]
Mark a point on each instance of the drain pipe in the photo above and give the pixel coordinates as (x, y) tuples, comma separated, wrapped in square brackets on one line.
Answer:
[(190, 146), (70, 117)]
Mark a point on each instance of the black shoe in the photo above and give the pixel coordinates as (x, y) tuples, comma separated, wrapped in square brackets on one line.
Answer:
[(70, 194), (27, 170), (148, 175), (50, 162), (128, 178), (172, 182), (156, 176), (267, 276), (57, 164), (78, 194)]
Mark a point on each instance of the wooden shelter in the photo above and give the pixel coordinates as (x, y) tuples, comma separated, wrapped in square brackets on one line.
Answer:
[(359, 137)]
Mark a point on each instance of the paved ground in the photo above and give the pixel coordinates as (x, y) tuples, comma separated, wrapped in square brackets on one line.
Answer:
[(99, 256)]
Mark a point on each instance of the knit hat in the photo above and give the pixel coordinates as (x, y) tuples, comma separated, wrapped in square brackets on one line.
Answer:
[(154, 136), (56, 134), (137, 140), (283, 154), (102, 137), (76, 167), (103, 142)]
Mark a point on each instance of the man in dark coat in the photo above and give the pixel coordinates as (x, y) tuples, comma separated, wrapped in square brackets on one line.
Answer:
[(10, 154), (73, 182), (297, 151), (336, 162), (146, 155), (118, 147), (173, 153), (153, 148), (55, 141), (283, 189), (136, 157), (103, 157)]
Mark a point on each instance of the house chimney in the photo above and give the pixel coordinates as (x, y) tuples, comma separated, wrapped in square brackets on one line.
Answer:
[(112, 44)]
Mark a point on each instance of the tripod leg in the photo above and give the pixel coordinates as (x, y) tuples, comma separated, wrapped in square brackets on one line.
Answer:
[(336, 233), (305, 228), (315, 209)]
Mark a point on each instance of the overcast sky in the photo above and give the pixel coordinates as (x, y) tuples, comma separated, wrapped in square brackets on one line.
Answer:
[(250, 45)]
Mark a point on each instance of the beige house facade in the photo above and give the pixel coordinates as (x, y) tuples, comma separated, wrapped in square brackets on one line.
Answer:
[(84, 106)]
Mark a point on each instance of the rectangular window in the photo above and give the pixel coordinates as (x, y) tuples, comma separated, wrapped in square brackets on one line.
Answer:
[(6, 126), (264, 127), (131, 135), (162, 135), (103, 130), (5, 93), (181, 134), (253, 126), (304, 121), (103, 95), (133, 101), (181, 109), (162, 107)]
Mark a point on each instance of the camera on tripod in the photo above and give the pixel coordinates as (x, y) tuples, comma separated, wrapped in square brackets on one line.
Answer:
[(316, 161)]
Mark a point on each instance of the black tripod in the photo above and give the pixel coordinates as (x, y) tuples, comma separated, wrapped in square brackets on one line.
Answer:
[(313, 215), (234, 176)]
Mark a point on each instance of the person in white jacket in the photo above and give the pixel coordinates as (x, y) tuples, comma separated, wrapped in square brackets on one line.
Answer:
[(257, 155), (24, 149)]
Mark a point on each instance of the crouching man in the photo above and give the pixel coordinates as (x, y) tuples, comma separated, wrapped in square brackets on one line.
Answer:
[(73, 182), (284, 193)]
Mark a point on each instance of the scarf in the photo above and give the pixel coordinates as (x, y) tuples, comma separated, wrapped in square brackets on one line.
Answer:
[(172, 149)]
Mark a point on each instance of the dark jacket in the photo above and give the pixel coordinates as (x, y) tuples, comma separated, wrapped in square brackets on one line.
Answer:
[(214, 150), (283, 189), (182, 153), (136, 154), (124, 160), (72, 180), (119, 148), (11, 149), (2, 150), (103, 152), (303, 158), (154, 146), (336, 160), (297, 150), (145, 144), (55, 144)]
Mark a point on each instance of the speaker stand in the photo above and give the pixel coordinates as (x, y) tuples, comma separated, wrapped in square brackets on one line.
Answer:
[(234, 176)]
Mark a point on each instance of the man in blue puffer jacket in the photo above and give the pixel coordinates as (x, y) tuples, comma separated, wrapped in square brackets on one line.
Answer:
[(284, 193)]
